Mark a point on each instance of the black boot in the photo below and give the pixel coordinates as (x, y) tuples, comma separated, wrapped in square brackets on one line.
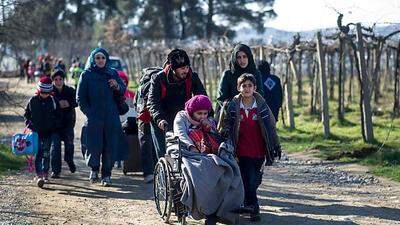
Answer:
[(255, 215), (72, 167)]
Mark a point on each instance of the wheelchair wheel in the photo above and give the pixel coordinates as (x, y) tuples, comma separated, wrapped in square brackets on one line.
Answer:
[(162, 189)]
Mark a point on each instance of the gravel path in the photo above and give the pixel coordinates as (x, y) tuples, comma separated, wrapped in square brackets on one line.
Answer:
[(296, 190)]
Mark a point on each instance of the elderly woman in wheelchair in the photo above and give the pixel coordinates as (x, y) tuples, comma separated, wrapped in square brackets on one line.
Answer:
[(199, 175)]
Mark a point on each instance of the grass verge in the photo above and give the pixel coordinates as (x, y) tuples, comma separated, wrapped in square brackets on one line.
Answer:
[(346, 142), (9, 161)]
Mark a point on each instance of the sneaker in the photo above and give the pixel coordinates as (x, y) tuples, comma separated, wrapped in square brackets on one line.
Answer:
[(106, 181), (40, 182), (149, 178), (46, 177), (55, 175), (94, 176)]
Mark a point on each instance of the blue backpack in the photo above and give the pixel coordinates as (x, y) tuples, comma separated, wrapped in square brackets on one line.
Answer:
[(26, 143)]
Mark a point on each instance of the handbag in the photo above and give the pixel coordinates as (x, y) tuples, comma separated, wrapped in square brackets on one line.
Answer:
[(122, 106), (26, 143)]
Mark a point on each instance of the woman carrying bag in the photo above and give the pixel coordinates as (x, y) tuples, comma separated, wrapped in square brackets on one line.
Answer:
[(97, 87)]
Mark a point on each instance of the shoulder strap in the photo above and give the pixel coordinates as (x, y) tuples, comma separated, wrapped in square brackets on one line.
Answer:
[(163, 85)]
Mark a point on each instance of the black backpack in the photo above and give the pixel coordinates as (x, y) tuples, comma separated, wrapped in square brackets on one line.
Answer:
[(144, 86)]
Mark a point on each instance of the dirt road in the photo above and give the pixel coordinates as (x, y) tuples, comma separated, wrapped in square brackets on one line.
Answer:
[(297, 190)]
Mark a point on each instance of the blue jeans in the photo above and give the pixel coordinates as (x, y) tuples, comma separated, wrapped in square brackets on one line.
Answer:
[(67, 137), (147, 153), (42, 159), (158, 136), (252, 177)]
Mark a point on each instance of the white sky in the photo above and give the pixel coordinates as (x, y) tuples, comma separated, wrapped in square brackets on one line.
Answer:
[(302, 15)]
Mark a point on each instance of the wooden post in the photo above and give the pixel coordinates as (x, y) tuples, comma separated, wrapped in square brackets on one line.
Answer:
[(376, 75), (331, 75), (386, 80), (324, 95), (203, 69), (350, 96), (261, 52), (289, 94), (341, 80), (365, 85), (310, 74), (396, 105), (299, 80)]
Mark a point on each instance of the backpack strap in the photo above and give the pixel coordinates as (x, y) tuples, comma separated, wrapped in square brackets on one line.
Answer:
[(163, 90)]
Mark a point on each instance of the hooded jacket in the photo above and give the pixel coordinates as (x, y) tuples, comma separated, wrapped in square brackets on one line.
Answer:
[(228, 84), (273, 93), (102, 129)]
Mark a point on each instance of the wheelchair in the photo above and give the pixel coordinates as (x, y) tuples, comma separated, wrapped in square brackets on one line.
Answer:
[(167, 179)]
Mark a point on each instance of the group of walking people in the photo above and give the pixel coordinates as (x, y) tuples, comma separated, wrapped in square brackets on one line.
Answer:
[(51, 114), (248, 102), (172, 99)]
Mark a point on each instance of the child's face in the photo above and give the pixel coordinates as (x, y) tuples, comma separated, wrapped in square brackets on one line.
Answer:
[(200, 115), (247, 89), (44, 95), (58, 81)]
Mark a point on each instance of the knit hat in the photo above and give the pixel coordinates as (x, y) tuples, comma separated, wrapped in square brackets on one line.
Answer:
[(45, 85), (196, 103), (178, 58)]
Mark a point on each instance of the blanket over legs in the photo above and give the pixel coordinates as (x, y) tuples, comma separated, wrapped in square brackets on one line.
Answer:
[(212, 184)]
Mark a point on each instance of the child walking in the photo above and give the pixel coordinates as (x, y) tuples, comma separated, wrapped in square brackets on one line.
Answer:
[(43, 117), (251, 126)]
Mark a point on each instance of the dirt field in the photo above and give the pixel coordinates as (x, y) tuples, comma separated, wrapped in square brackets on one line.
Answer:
[(297, 190)]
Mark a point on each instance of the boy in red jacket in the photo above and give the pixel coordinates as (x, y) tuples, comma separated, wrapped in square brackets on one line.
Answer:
[(251, 126)]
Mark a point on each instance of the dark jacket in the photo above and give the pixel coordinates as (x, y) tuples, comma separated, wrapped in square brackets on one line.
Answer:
[(102, 129), (43, 115), (273, 93), (174, 101), (231, 125), (68, 114), (228, 84)]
